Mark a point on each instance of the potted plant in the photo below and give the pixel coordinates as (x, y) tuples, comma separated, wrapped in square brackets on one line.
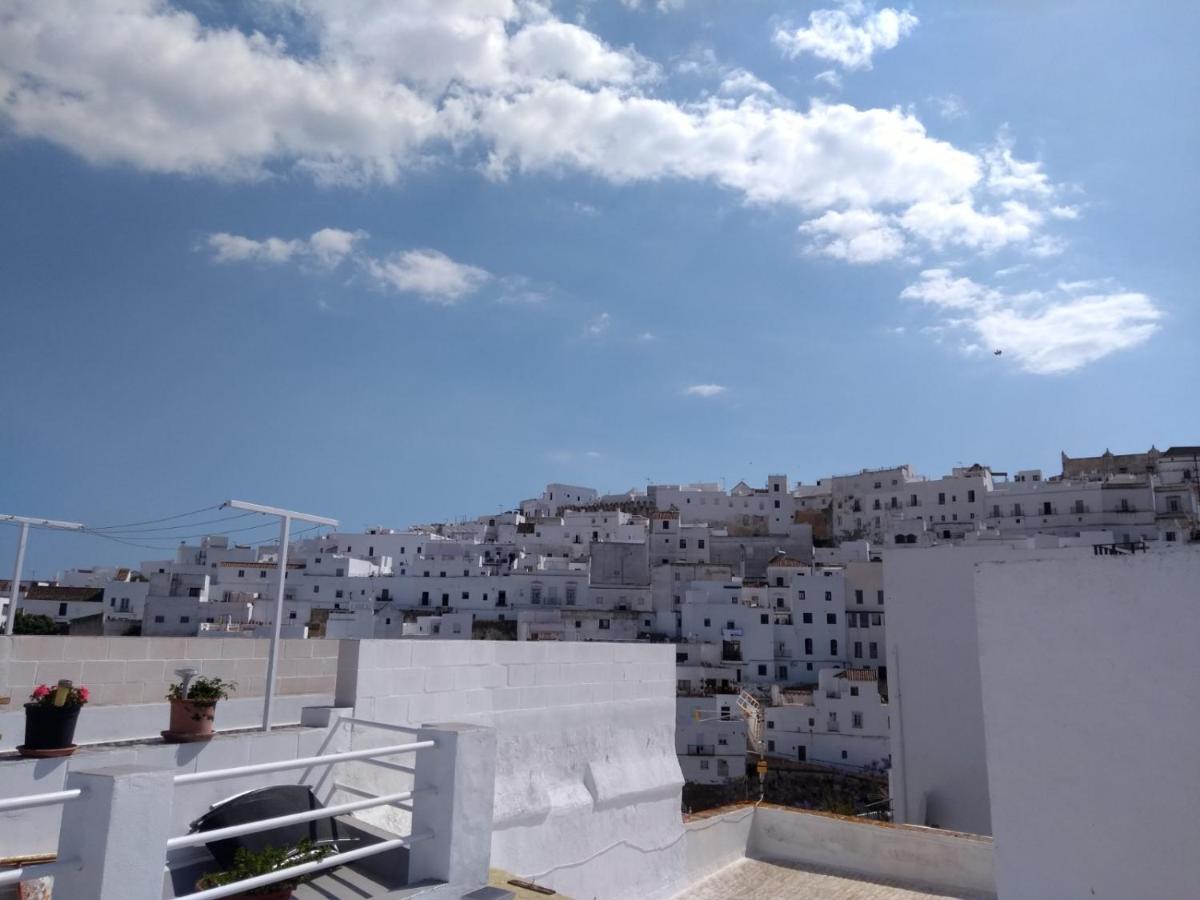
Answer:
[(50, 717), (252, 863), (194, 707)]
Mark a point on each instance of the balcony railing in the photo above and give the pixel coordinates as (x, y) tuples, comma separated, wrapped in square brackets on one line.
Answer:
[(701, 750)]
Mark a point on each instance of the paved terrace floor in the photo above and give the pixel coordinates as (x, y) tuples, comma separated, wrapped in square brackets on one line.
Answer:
[(748, 878)]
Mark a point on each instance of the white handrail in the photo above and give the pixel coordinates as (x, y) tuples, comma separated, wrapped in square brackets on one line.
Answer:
[(36, 870), (217, 834), (302, 763), (32, 800), (338, 859)]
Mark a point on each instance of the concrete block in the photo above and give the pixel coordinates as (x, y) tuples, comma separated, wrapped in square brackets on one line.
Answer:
[(440, 653), (493, 676), (519, 652), (547, 673), (52, 670), (38, 647), (141, 671), (20, 671), (296, 649), (347, 673), (95, 672), (237, 648), (326, 648), (176, 648), (521, 676), (85, 648), (261, 648), (393, 710), (506, 698), (129, 648)]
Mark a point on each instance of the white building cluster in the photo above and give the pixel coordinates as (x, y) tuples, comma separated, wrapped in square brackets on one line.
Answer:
[(774, 596)]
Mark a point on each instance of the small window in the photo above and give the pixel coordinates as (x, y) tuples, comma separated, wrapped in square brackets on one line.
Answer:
[(858, 597), (856, 720), (873, 650), (262, 573), (159, 619), (828, 596), (241, 573), (700, 543), (605, 624), (764, 619), (183, 620), (830, 618), (879, 597), (762, 669), (853, 691), (833, 651)]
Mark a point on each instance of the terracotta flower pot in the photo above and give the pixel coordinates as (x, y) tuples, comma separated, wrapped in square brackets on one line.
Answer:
[(191, 720), (49, 727)]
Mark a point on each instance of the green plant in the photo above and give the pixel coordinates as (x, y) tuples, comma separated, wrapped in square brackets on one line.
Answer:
[(33, 623), (202, 690), (252, 863)]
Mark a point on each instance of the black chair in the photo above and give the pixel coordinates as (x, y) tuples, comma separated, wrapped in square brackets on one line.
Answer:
[(266, 803)]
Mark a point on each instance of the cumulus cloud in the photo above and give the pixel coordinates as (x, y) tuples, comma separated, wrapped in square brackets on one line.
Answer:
[(857, 235), (849, 36), (327, 247), (598, 326), (705, 390), (430, 274), (1046, 332)]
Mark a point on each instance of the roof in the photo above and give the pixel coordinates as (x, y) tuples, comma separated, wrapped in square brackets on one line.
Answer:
[(258, 565), (858, 674), (35, 591), (1182, 451), (785, 561), (664, 514)]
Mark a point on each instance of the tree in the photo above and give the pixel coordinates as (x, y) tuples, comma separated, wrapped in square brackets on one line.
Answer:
[(32, 623)]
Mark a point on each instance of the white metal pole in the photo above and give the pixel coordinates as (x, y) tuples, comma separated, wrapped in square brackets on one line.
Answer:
[(285, 526), (15, 588)]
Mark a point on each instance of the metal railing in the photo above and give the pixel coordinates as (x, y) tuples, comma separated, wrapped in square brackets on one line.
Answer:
[(302, 869), (32, 801)]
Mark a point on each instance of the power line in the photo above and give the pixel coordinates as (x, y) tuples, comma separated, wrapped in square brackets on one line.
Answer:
[(112, 530), (154, 521)]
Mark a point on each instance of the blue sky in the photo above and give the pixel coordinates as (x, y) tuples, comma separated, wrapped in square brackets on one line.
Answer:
[(403, 262)]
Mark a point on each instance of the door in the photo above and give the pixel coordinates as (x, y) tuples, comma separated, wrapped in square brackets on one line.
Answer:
[(802, 753)]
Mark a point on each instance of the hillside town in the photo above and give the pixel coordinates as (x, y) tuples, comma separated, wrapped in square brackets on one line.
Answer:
[(779, 599)]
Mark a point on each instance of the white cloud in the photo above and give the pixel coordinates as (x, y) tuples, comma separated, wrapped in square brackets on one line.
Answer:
[(381, 88), (430, 274), (849, 36), (598, 326), (705, 390), (857, 235), (830, 78), (1045, 332), (327, 247), (660, 5), (949, 106), (647, 337)]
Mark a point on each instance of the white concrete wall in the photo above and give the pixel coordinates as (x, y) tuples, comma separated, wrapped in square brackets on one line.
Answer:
[(35, 831), (587, 780), (939, 761), (716, 840), (939, 861), (1090, 700)]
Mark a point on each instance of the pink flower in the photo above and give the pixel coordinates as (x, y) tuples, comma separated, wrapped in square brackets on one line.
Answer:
[(83, 695), (40, 691)]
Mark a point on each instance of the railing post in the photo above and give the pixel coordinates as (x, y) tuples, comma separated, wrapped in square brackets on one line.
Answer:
[(118, 834), (461, 770)]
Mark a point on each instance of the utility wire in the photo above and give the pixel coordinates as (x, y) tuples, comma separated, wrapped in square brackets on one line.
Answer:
[(154, 521), (152, 531)]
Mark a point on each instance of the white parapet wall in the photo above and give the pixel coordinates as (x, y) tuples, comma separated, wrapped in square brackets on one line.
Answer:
[(587, 781), (1091, 700), (941, 861), (128, 678)]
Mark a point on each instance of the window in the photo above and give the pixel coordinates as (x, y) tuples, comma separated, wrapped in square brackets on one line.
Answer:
[(708, 623), (704, 764), (876, 505), (762, 669), (183, 620), (844, 754), (764, 619), (62, 608), (874, 650), (876, 618), (970, 496), (159, 619), (466, 595), (338, 594), (806, 618), (808, 647), (571, 591), (778, 581), (879, 597), (1173, 504), (292, 614), (502, 598), (801, 595), (828, 596), (777, 504), (833, 648), (853, 691), (770, 746), (666, 525), (316, 589), (812, 722), (941, 499), (830, 618), (445, 599), (856, 720), (241, 573), (1170, 536), (700, 544), (605, 624), (858, 597), (858, 649)]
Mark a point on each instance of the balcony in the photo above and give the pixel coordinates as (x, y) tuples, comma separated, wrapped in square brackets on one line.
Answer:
[(701, 750)]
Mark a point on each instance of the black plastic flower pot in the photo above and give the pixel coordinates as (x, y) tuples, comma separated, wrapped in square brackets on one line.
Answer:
[(50, 727)]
